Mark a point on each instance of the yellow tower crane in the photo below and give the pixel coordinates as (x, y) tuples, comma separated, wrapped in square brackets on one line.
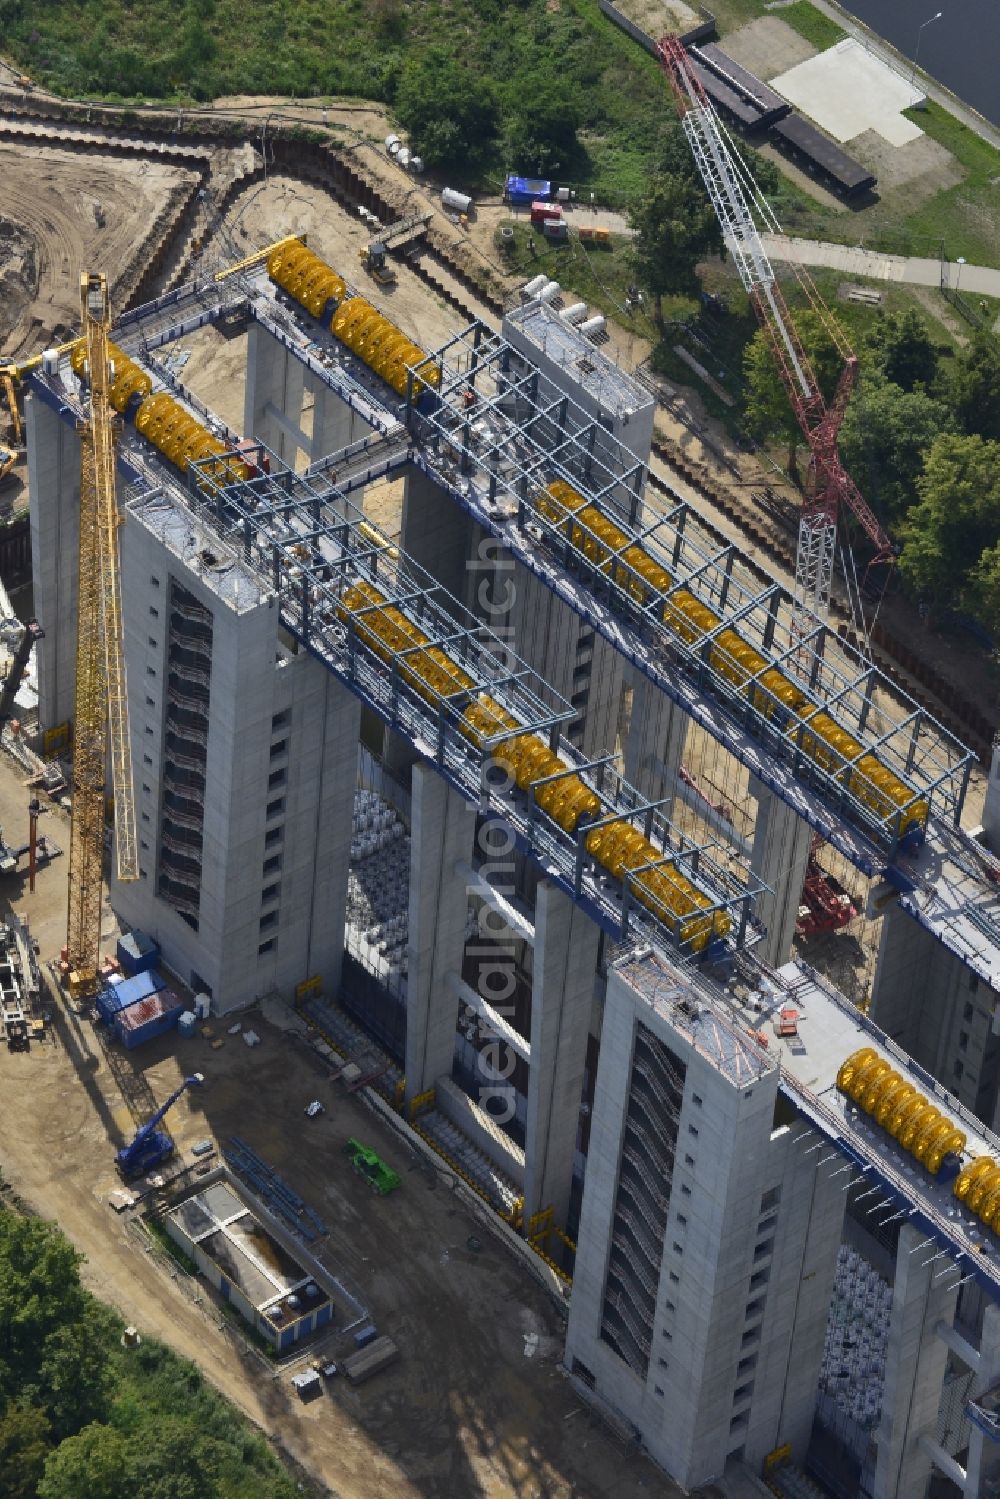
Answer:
[(101, 700)]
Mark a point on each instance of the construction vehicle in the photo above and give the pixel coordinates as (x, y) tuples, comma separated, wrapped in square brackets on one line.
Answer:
[(374, 258), (825, 904), (152, 1146), (23, 81), (101, 701), (380, 1177), (28, 634), (8, 458), (19, 985)]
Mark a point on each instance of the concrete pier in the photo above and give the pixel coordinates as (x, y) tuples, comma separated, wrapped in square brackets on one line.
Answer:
[(442, 831), (54, 465), (915, 1363), (781, 843), (566, 944)]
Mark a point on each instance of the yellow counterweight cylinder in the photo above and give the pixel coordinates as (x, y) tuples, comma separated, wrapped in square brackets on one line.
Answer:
[(971, 1173)]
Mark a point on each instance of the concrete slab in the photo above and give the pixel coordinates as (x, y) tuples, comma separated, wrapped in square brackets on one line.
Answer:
[(848, 90)]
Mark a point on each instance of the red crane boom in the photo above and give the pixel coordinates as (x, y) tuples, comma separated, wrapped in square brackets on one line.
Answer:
[(731, 189)]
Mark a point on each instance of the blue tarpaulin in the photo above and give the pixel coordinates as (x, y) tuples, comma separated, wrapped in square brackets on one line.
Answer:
[(523, 191)]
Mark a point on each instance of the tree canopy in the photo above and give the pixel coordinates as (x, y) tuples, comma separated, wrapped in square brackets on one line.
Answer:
[(675, 227), (767, 409), (975, 387), (956, 523), (543, 116), (886, 435), (452, 123), (900, 348), (83, 1418)]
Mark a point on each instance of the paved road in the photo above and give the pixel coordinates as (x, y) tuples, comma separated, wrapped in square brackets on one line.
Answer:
[(909, 269)]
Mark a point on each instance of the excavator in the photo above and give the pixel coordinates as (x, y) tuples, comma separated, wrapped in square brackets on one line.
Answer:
[(152, 1145), (374, 259)]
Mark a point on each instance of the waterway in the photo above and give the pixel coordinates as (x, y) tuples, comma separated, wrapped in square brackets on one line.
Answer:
[(962, 50)]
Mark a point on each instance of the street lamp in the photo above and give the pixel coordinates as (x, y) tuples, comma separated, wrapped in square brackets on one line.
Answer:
[(920, 32), (958, 279)]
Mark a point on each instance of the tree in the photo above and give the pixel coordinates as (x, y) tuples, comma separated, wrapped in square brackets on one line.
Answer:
[(767, 409), (24, 1446), (675, 226), (74, 1383), (975, 388), (39, 1291), (956, 521), (178, 1463), (985, 590), (886, 435), (900, 347), (99, 1463), (450, 114), (544, 116)]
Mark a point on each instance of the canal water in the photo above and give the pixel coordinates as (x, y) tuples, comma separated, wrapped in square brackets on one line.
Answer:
[(962, 50)]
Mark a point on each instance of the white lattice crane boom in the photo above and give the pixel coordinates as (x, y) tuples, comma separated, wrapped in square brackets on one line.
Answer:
[(731, 189)]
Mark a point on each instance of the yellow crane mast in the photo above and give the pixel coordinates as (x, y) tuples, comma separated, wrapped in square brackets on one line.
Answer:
[(101, 700)]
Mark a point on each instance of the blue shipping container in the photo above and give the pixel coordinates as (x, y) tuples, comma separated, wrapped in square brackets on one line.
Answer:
[(165, 1009), (117, 997), (137, 953), (523, 191)]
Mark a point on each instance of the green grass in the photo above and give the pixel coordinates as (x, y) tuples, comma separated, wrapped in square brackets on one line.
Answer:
[(151, 1383), (154, 49), (594, 274), (156, 1231), (811, 23), (967, 216)]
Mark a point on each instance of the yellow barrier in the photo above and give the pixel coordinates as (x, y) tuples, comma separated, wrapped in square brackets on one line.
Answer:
[(616, 845), (907, 1115), (632, 568)]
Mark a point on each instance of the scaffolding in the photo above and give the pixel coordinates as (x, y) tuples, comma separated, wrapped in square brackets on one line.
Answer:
[(501, 453), (488, 437)]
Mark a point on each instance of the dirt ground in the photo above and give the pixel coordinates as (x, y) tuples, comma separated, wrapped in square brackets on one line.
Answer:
[(768, 47), (464, 1412), (656, 17), (49, 233)]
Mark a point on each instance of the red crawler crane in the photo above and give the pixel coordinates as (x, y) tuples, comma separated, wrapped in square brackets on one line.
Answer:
[(731, 189), (825, 904)]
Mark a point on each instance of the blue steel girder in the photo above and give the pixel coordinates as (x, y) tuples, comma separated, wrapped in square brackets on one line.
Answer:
[(261, 536), (851, 689)]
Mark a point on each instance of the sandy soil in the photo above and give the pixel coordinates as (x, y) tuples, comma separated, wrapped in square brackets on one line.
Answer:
[(464, 1412), (768, 47), (49, 234), (922, 166)]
